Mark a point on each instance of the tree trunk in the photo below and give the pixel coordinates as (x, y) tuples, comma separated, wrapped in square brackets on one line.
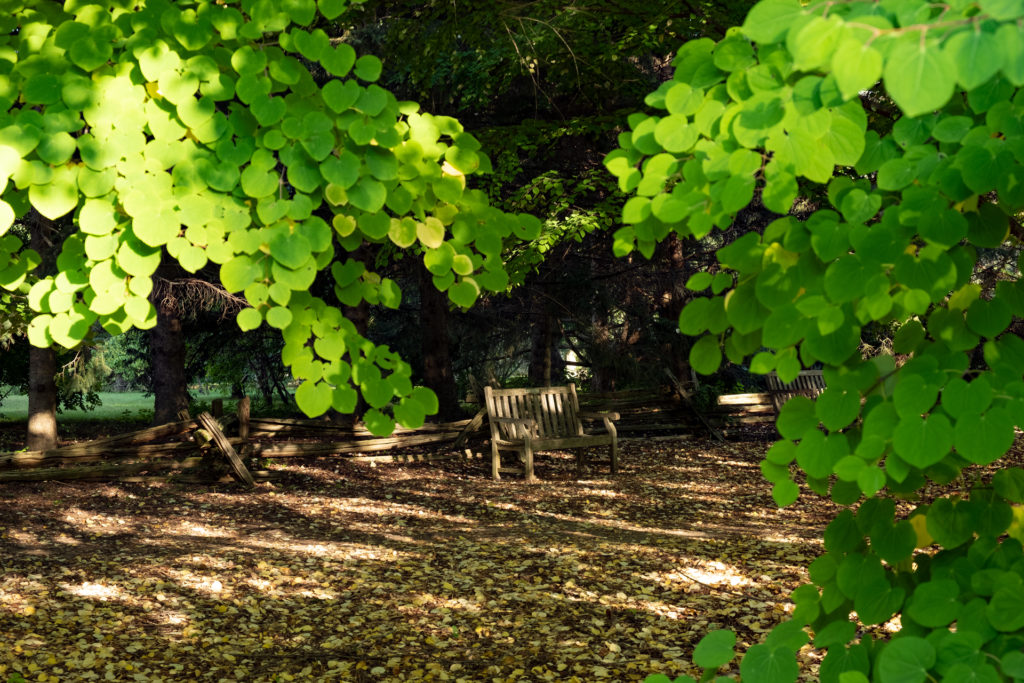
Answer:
[(437, 362), (673, 298), (602, 366), (42, 400), (42, 363), (167, 349), (545, 363)]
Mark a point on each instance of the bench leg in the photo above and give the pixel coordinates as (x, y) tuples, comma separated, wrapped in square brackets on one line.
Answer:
[(614, 450), (581, 455), (528, 464), (495, 463)]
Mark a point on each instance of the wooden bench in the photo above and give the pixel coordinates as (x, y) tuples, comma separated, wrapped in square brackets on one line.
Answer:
[(808, 383), (525, 421)]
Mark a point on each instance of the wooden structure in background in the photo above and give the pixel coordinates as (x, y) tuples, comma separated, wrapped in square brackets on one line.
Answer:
[(525, 421), (808, 383), (208, 423), (175, 448)]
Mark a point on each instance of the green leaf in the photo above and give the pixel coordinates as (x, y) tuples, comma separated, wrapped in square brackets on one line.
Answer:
[(797, 418), (919, 76), (1001, 10), (675, 135), (871, 480), (913, 396), (856, 67), (715, 649), (780, 191), (368, 194), (683, 99), (934, 603), (1006, 610), (975, 53), (876, 601), (906, 660), (291, 249), (764, 664), (313, 398), (59, 196), (1013, 664), (923, 442), (1011, 43), (378, 423), (239, 273), (989, 317), (1009, 483), (368, 68), (737, 193), (249, 319), (409, 414), (279, 317), (982, 439), (464, 293), (813, 42), (950, 522), (430, 232), (837, 408), (331, 9), (706, 355), (769, 20), (785, 492), (340, 95)]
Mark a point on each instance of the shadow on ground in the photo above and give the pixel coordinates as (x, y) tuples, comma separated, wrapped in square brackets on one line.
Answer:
[(344, 572)]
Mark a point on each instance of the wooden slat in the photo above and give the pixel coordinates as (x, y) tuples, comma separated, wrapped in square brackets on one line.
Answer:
[(107, 471), (209, 423), (744, 399), (472, 426), (551, 414), (299, 450)]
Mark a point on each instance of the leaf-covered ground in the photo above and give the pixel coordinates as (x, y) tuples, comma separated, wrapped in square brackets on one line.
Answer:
[(342, 572)]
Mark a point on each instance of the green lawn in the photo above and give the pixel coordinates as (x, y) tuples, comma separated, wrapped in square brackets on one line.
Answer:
[(129, 405)]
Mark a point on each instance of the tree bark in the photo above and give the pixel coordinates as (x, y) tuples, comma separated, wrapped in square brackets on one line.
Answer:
[(167, 349), (602, 352), (42, 399), (42, 363), (545, 363), (437, 362), (673, 299)]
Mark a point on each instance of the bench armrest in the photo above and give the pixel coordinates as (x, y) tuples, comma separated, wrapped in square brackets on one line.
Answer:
[(599, 415)]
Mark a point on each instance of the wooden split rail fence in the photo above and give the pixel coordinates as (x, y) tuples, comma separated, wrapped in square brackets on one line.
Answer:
[(199, 447)]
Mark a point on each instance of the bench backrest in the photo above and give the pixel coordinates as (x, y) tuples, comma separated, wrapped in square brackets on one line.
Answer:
[(808, 383), (554, 409)]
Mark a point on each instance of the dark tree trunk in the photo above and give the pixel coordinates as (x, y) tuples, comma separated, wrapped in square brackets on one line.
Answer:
[(167, 349), (671, 305), (546, 365), (42, 363), (602, 366), (437, 362), (42, 400)]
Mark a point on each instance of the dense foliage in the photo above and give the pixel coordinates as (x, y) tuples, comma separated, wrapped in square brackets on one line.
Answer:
[(881, 224), (197, 131)]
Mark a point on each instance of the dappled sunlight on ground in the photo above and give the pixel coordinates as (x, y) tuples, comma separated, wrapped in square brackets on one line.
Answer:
[(342, 572)]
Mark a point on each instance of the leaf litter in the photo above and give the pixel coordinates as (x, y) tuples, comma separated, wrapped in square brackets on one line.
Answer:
[(343, 572)]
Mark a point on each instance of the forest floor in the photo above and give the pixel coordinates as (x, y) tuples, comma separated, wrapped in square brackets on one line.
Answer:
[(343, 572)]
